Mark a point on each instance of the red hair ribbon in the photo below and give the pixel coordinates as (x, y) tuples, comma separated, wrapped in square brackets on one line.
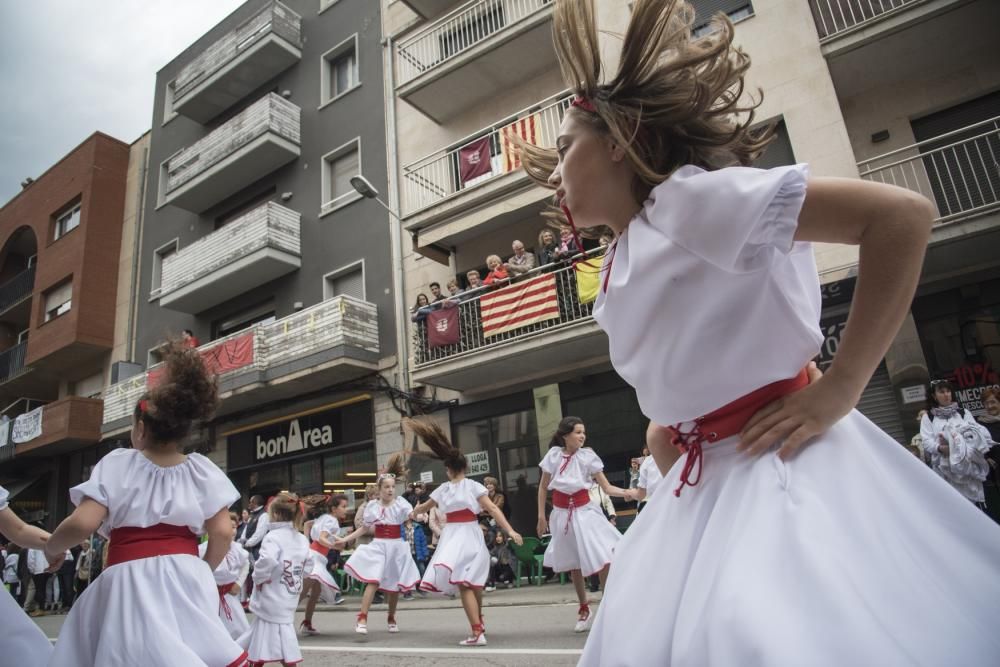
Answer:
[(582, 102), (143, 406)]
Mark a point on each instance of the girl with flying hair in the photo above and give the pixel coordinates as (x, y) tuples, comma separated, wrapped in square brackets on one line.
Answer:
[(792, 531)]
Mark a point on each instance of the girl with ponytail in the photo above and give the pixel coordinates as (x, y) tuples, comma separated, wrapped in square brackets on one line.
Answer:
[(461, 562)]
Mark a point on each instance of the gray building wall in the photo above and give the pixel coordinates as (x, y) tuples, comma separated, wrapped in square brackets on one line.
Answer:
[(358, 231)]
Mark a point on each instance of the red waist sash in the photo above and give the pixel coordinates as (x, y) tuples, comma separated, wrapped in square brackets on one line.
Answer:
[(162, 539), (388, 531), (725, 422), (570, 501), (223, 603), (319, 548), (461, 516)]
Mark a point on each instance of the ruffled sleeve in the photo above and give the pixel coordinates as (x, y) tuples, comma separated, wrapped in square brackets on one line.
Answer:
[(437, 495), (591, 461), (478, 490), (549, 462), (217, 492), (102, 478), (737, 218)]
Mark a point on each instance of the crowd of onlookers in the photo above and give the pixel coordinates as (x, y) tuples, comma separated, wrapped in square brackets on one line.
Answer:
[(38, 591)]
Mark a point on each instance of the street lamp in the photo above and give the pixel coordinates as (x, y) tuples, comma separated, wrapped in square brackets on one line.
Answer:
[(364, 188)]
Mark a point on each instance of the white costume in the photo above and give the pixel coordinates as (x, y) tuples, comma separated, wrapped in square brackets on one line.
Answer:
[(232, 570), (964, 466), (582, 539), (461, 556), (21, 641), (167, 603), (328, 524), (649, 476), (825, 559), (385, 561), (277, 583)]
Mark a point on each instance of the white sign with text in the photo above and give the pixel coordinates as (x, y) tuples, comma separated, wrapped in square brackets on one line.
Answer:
[(479, 463)]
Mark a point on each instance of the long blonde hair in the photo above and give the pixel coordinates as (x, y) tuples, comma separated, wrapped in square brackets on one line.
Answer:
[(675, 99)]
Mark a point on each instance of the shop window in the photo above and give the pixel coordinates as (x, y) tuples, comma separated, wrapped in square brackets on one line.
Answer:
[(616, 428), (349, 471)]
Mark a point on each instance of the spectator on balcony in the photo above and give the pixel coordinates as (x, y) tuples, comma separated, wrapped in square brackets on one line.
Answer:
[(454, 290), (547, 247), (189, 339), (420, 309), (567, 247), (497, 273), (605, 240), (436, 292), (475, 282), (520, 262)]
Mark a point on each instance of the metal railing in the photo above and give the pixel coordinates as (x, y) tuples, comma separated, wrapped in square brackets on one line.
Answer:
[(12, 361), (470, 321), (17, 289), (457, 32), (20, 406), (834, 17), (959, 170), (437, 177)]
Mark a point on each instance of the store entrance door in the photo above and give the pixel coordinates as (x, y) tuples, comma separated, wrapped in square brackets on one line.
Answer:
[(519, 475)]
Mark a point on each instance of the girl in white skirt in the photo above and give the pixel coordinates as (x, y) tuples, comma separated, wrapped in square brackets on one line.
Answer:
[(386, 563), (583, 541), (319, 584), (155, 602), (231, 571), (21, 641), (755, 550), (649, 478), (277, 580), (461, 562)]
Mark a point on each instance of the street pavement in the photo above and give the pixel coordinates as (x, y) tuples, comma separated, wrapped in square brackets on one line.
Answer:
[(529, 626)]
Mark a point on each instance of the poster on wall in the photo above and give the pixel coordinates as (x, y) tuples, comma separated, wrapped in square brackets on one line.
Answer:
[(479, 463), (969, 381)]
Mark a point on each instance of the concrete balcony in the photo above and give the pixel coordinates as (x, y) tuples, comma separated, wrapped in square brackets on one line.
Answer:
[(489, 357), (238, 64), (845, 25), (330, 343), (246, 253), (252, 144), (430, 9), (465, 57), (67, 424)]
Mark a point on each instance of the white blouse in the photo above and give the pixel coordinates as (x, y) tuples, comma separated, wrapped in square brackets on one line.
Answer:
[(571, 473), (230, 570), (394, 515), (457, 496), (709, 297), (649, 476), (138, 493), (4, 495), (326, 523)]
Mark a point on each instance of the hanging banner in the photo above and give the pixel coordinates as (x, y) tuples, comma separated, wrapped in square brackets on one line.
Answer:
[(27, 426), (474, 160), (442, 327), (230, 354)]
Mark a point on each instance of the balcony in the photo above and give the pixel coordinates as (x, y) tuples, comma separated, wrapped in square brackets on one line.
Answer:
[(844, 25), (67, 424), (491, 357), (249, 146), (238, 64), (464, 58), (16, 294), (429, 9), (433, 190), (246, 253), (330, 343), (12, 362)]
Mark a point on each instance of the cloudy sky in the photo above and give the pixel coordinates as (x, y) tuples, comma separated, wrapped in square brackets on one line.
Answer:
[(71, 67)]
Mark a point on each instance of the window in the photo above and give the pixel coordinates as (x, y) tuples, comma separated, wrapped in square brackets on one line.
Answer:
[(338, 168), (349, 281), (67, 222), (89, 387), (168, 103), (262, 313), (736, 10), (58, 300), (340, 70), (160, 254)]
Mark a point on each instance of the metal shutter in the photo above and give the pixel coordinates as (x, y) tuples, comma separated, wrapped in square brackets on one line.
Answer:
[(878, 403), (706, 9), (349, 284)]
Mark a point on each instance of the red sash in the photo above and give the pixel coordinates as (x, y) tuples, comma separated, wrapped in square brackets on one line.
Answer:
[(319, 548), (569, 501), (461, 516), (223, 603), (162, 539), (388, 531)]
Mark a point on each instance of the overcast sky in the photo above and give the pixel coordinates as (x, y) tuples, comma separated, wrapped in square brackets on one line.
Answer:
[(71, 67)]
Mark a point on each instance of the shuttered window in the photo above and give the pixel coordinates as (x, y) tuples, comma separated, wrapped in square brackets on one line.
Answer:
[(58, 300), (350, 283), (706, 9)]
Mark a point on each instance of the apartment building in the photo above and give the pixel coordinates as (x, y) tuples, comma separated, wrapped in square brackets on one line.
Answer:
[(898, 91)]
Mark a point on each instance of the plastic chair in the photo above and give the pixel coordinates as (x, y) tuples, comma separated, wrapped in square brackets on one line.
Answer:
[(526, 556)]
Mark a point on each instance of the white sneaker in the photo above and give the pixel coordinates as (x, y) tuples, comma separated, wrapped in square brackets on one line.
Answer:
[(584, 622), (361, 628), (306, 629), (490, 589), (476, 640), (393, 627)]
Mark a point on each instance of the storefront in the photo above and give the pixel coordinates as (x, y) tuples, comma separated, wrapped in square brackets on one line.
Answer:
[(330, 448)]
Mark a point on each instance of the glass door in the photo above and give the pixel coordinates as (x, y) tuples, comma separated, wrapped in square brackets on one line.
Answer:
[(519, 475)]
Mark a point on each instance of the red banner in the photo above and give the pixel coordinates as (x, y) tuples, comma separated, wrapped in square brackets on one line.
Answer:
[(442, 327), (474, 159), (227, 356)]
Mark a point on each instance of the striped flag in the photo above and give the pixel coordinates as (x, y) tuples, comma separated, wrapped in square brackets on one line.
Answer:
[(527, 129), (519, 305)]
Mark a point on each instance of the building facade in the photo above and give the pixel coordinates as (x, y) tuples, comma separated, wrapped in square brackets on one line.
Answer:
[(901, 91)]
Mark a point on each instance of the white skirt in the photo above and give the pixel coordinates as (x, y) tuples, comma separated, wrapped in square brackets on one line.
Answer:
[(328, 585), (152, 611), (852, 553), (386, 562), (232, 616), (461, 558), (271, 642), (21, 641), (586, 542)]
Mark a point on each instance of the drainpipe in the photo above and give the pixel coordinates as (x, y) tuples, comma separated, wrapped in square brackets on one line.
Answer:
[(133, 301)]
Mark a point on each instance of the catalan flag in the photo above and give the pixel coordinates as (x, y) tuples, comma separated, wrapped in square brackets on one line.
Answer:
[(527, 129), (520, 305)]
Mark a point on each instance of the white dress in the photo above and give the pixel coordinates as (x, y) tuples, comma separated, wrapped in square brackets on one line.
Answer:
[(964, 466), (232, 570), (461, 556), (385, 561), (151, 611), (277, 584), (840, 556), (21, 641), (582, 539), (649, 476), (318, 562)]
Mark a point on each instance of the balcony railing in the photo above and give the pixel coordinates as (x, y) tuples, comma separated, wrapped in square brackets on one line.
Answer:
[(252, 144), (834, 17), (473, 337), (239, 62), (959, 171), (268, 351), (437, 177), (12, 361), (458, 32), (254, 249), (17, 289)]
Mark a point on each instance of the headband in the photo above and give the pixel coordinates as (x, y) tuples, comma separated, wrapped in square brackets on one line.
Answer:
[(584, 103)]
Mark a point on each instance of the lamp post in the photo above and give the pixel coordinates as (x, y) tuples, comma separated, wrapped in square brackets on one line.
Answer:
[(364, 188)]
